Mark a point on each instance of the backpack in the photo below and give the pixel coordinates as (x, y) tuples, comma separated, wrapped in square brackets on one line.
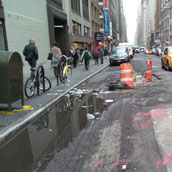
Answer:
[(86, 55), (96, 54)]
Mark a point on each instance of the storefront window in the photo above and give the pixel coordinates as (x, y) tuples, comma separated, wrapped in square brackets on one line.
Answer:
[(86, 31), (76, 28), (2, 40)]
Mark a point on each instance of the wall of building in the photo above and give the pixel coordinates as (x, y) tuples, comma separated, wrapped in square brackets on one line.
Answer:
[(72, 16), (26, 20)]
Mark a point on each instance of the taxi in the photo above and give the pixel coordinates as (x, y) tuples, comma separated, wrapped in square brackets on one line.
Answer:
[(148, 51), (166, 58)]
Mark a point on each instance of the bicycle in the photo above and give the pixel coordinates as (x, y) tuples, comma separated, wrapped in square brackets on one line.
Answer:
[(66, 69), (36, 81)]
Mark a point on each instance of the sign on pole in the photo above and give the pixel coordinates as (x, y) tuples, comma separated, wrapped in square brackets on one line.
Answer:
[(106, 21), (105, 4), (110, 28)]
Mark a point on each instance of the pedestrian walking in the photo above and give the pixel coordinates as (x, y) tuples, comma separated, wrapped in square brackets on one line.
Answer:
[(101, 54), (71, 52), (56, 58), (96, 55), (74, 56), (31, 53), (86, 57)]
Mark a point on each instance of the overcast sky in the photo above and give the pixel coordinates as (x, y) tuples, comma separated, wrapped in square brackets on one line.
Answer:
[(130, 10)]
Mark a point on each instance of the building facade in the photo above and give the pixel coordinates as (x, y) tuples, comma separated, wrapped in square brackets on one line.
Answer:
[(123, 26), (79, 23), (95, 20), (26, 20), (58, 25)]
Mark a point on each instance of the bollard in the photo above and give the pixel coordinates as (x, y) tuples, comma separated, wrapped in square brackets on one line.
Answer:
[(148, 74)]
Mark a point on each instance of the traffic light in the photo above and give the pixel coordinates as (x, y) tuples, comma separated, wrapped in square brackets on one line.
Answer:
[(109, 38), (101, 44)]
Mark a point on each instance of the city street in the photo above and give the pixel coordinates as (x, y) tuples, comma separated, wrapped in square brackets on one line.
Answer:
[(83, 132), (86, 86)]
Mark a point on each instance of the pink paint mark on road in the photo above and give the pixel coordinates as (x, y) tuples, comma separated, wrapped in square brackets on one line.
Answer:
[(157, 113), (118, 162), (97, 163), (165, 160)]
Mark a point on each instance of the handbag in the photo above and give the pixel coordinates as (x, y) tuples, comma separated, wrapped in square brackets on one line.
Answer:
[(49, 56)]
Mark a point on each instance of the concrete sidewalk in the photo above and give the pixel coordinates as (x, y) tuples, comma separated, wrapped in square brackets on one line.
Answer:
[(10, 124)]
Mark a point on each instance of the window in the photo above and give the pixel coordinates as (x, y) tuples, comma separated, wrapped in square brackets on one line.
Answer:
[(76, 28), (85, 9), (75, 5), (86, 31), (166, 51), (92, 8), (170, 50)]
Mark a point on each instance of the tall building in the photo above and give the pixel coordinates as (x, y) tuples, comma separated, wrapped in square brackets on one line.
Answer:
[(170, 13), (123, 26), (79, 23), (139, 37), (147, 20), (101, 16), (114, 19), (165, 22), (95, 20), (157, 19)]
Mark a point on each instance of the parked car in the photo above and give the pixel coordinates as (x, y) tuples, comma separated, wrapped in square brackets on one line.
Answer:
[(119, 55), (148, 51), (166, 58), (158, 51), (137, 50), (142, 49), (153, 51)]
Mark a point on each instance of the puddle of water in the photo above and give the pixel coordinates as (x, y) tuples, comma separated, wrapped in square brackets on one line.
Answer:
[(51, 133)]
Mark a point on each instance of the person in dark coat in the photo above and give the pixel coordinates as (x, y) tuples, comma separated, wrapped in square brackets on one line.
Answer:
[(31, 53), (96, 55), (75, 58), (101, 54)]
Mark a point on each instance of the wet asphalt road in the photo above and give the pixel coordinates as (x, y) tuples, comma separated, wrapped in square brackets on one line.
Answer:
[(125, 138)]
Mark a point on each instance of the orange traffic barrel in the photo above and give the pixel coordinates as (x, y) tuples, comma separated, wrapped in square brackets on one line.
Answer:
[(126, 76), (148, 73)]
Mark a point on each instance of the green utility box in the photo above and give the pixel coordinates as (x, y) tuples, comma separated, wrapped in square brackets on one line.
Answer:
[(11, 78)]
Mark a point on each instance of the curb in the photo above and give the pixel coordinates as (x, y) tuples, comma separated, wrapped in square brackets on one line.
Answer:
[(8, 132)]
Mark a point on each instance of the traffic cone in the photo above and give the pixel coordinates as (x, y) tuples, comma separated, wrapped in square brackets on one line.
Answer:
[(148, 73), (126, 76)]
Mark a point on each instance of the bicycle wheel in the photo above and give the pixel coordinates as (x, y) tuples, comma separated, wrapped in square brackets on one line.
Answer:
[(47, 83), (29, 87), (62, 76)]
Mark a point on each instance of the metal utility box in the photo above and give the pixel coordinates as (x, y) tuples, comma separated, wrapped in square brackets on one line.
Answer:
[(11, 78)]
